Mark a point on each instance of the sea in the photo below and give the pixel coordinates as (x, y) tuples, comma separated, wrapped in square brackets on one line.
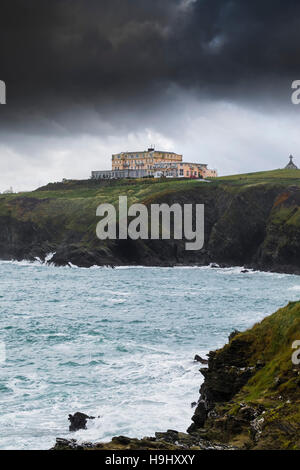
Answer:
[(117, 344)]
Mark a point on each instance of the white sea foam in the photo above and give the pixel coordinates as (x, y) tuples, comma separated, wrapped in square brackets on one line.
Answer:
[(49, 257), (71, 265), (228, 270)]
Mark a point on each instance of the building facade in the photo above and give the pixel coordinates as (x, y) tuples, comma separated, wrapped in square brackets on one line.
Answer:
[(153, 163), (146, 161), (118, 174)]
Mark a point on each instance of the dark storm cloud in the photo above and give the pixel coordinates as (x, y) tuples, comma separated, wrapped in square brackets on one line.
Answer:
[(61, 54), (235, 42), (75, 47)]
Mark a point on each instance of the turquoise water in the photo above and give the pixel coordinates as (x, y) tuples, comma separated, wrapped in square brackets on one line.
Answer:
[(116, 343)]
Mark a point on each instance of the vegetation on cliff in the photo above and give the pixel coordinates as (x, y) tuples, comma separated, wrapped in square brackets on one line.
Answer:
[(250, 220), (250, 397)]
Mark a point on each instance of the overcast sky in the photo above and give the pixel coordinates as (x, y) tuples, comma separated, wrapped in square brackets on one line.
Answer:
[(210, 79)]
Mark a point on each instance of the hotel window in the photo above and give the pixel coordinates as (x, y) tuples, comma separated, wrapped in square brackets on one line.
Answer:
[(181, 172)]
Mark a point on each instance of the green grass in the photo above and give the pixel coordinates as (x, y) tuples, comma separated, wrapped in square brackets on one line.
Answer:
[(284, 177), (140, 189), (73, 207), (135, 190)]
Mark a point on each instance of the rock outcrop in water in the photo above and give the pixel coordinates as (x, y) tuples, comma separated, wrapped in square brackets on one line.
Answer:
[(200, 359), (78, 421), (256, 225)]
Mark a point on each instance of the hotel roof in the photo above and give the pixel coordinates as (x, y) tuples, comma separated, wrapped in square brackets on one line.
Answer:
[(146, 151)]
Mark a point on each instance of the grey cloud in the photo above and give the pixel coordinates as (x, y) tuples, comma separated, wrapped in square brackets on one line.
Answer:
[(61, 53)]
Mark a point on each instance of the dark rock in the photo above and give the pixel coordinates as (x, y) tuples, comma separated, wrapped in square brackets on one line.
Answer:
[(227, 372), (123, 440), (78, 421), (244, 271), (193, 404), (233, 334), (200, 414), (207, 445), (221, 385), (200, 359), (236, 354), (169, 436), (193, 428), (66, 444), (248, 413), (260, 365), (230, 424), (257, 426)]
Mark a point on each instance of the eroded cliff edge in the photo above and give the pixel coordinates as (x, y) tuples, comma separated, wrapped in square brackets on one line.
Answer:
[(257, 224)]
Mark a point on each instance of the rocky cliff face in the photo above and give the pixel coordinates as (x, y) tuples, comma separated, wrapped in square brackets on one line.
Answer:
[(254, 225), (250, 397)]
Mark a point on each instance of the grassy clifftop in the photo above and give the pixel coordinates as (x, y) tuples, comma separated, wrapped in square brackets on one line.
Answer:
[(251, 219), (139, 189), (284, 177)]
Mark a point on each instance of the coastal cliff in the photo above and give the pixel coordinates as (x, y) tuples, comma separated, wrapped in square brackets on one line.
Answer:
[(250, 397), (251, 220)]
